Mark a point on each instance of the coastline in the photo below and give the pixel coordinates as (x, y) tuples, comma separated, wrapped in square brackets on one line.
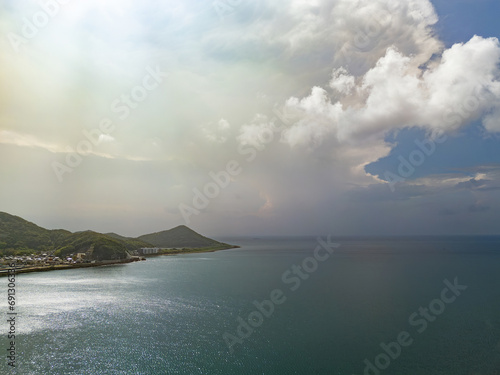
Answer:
[(191, 250), (56, 267)]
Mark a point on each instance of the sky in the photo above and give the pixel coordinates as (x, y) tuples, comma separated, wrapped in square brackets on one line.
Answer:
[(239, 117)]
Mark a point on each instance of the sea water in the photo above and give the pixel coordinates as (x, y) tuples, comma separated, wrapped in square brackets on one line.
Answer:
[(369, 306)]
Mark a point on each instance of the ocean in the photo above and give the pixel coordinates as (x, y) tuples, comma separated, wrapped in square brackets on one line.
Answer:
[(394, 305)]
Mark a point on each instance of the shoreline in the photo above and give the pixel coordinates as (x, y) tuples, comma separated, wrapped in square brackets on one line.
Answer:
[(191, 250), (56, 267)]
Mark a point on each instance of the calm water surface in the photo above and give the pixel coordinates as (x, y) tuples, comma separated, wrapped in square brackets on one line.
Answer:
[(168, 315)]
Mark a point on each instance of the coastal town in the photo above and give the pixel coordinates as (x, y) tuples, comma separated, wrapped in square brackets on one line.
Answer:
[(48, 261), (27, 247)]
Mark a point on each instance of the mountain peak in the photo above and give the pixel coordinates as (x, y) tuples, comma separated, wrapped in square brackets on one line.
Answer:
[(180, 236), (19, 234)]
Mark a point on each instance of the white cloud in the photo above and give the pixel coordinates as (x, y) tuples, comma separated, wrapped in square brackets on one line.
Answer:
[(342, 81), (105, 138), (260, 130), (451, 92), (319, 118), (217, 132), (492, 121), (26, 140)]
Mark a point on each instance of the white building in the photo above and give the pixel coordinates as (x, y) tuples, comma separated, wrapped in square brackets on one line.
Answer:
[(150, 250)]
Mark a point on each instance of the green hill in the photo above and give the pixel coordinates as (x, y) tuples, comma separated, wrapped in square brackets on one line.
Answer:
[(98, 246), (117, 236), (18, 236), (180, 236), (131, 243)]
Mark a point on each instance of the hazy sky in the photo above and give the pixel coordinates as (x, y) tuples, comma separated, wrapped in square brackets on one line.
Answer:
[(257, 117)]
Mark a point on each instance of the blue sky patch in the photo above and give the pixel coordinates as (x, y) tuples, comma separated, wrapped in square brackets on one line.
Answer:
[(416, 156)]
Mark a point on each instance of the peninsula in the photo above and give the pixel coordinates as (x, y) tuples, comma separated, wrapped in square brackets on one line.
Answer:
[(33, 248)]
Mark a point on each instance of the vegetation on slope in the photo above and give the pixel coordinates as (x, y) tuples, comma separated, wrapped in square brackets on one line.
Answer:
[(97, 246), (180, 236), (18, 236)]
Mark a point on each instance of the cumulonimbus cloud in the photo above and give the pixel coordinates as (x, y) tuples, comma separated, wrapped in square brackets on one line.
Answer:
[(389, 72), (447, 94)]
